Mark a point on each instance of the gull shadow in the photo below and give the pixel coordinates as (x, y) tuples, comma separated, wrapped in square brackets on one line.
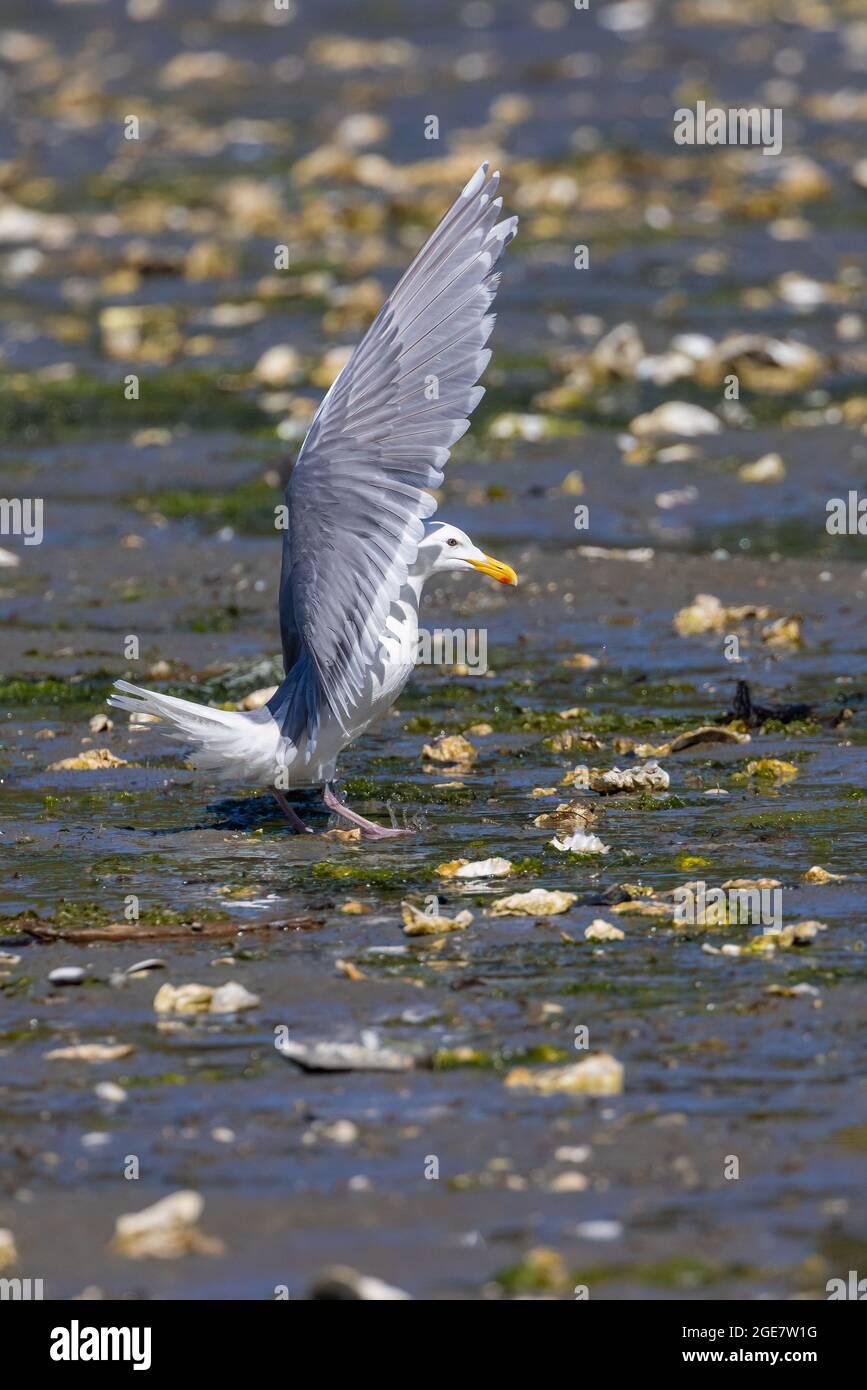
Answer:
[(252, 812), (247, 813)]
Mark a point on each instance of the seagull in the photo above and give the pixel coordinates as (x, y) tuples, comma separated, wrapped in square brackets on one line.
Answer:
[(359, 545)]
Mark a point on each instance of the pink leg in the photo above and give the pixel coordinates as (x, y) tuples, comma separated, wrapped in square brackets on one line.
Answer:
[(294, 820), (368, 827)]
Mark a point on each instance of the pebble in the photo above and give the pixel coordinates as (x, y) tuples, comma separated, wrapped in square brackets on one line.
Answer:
[(569, 1182), (340, 1132), (67, 975), (111, 1092), (599, 1230), (95, 1140), (568, 1153)]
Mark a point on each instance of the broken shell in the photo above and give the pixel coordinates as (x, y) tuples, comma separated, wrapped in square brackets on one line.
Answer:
[(569, 815), (165, 1230), (183, 999), (579, 843), (419, 923), (763, 363), (517, 426), (257, 699), (348, 970), (761, 883), (675, 417), (599, 1075), (819, 875), (785, 632), (708, 733), (280, 365), (619, 352), (333, 1056), (771, 770), (88, 761), (450, 748), (538, 902), (141, 967), (229, 998), (707, 614), (581, 661), (90, 1052), (600, 930), (479, 868), (768, 469), (649, 777), (645, 907)]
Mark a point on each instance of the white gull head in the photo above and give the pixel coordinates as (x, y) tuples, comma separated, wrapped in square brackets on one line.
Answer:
[(448, 548)]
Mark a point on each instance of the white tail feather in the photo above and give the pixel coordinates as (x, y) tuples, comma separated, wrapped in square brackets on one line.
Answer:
[(234, 745)]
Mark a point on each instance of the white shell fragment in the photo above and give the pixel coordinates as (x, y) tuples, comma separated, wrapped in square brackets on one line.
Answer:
[(230, 998), (336, 1056), (580, 844), (675, 417), (417, 922), (599, 1075), (257, 699), (478, 868), (142, 967), (90, 1052), (648, 777), (770, 468), (600, 930), (110, 1092), (165, 1230), (539, 902)]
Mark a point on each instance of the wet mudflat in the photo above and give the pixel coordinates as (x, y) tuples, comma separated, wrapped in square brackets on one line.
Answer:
[(718, 1152)]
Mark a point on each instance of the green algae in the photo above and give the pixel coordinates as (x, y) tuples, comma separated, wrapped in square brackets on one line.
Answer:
[(43, 411), (47, 692), (248, 507), (683, 1273)]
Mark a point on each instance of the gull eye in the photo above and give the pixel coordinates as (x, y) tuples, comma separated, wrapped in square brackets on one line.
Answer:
[(451, 541)]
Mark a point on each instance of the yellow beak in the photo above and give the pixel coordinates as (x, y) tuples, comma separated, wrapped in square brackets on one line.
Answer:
[(504, 574)]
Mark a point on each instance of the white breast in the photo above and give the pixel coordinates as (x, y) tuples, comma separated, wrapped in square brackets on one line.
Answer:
[(392, 667)]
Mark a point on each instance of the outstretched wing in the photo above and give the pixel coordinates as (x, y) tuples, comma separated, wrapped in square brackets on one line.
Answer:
[(358, 494)]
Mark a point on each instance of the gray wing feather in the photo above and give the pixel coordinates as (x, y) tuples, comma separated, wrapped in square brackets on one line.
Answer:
[(358, 494)]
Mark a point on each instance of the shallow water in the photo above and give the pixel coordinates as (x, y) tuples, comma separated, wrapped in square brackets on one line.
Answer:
[(715, 1066)]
